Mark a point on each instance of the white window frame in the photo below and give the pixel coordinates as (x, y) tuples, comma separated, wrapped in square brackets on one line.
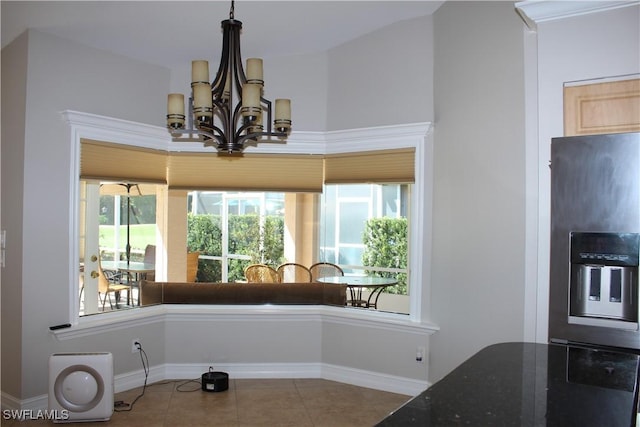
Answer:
[(373, 210), (420, 137), (416, 135)]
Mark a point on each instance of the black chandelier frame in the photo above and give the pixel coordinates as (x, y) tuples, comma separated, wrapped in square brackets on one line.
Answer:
[(235, 130)]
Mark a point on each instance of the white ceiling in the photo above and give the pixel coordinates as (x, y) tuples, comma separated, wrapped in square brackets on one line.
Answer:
[(172, 33)]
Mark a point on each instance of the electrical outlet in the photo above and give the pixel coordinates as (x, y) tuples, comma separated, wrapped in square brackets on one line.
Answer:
[(420, 354), (134, 346)]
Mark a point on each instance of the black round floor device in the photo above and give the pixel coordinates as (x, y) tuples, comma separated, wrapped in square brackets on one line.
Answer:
[(214, 381)]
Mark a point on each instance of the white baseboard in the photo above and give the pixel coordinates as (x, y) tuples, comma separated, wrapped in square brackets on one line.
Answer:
[(11, 403), (374, 380), (173, 371)]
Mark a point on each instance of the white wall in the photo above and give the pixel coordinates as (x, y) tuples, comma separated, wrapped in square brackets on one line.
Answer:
[(303, 79), (13, 95), (372, 348), (383, 78), (231, 340), (606, 44), (60, 76), (478, 218)]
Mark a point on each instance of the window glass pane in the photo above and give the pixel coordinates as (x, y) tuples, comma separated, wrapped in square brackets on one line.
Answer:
[(204, 203), (353, 216), (127, 221), (274, 204), (244, 228), (125, 227), (390, 200), (210, 268), (351, 255), (353, 190), (364, 229)]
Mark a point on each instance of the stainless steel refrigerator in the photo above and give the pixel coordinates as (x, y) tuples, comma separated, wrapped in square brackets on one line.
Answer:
[(595, 241)]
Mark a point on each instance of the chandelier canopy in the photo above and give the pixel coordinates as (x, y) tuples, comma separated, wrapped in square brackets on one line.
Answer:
[(228, 113)]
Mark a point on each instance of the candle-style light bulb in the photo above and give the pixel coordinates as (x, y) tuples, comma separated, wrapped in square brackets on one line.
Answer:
[(254, 71), (175, 110), (251, 100), (199, 71), (282, 120)]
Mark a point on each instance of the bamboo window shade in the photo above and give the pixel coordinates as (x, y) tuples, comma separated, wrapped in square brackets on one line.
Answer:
[(245, 172), (116, 162), (384, 166), (242, 172)]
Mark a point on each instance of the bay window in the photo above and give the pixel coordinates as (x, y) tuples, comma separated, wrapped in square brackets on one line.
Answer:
[(325, 203)]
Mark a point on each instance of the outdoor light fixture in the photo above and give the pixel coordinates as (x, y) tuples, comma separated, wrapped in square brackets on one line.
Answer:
[(230, 112)]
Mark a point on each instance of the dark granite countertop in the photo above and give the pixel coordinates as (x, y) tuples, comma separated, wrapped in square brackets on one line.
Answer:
[(528, 384)]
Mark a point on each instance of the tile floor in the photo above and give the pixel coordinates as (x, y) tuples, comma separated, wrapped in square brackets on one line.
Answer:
[(248, 402)]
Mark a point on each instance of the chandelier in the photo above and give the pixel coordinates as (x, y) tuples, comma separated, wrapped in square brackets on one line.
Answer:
[(230, 112)]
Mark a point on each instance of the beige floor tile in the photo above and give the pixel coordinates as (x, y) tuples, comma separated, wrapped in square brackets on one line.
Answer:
[(315, 382), (306, 402), (252, 384), (135, 418), (204, 416), (266, 416), (332, 397), (268, 398), (149, 402), (343, 417)]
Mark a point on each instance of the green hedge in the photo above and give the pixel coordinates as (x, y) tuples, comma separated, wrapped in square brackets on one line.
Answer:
[(205, 235), (385, 241)]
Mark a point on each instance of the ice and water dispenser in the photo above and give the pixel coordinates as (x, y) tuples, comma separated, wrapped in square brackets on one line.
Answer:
[(604, 279)]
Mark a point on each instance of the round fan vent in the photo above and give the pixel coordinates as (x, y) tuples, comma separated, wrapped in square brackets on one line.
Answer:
[(82, 384)]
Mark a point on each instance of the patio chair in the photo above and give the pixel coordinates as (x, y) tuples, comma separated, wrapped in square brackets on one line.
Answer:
[(109, 282), (150, 258), (193, 259), (324, 269), (291, 272), (261, 273)]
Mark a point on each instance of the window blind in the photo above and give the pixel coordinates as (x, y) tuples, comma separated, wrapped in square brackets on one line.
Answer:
[(245, 172), (242, 172), (116, 162), (383, 166)]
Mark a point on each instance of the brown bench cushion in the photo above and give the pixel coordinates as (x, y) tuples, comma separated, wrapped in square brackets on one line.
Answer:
[(241, 293)]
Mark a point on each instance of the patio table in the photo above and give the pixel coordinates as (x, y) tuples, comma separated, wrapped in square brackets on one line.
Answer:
[(135, 268), (356, 284)]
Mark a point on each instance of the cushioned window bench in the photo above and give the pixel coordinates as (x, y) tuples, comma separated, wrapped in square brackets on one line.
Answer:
[(242, 293)]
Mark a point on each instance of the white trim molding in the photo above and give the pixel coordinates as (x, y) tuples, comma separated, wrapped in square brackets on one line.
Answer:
[(92, 325), (533, 12), (101, 128), (377, 138)]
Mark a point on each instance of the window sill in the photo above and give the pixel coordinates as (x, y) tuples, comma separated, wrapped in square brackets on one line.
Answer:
[(90, 325)]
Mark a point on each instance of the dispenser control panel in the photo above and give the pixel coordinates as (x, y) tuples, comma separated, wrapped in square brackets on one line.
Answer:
[(622, 249)]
